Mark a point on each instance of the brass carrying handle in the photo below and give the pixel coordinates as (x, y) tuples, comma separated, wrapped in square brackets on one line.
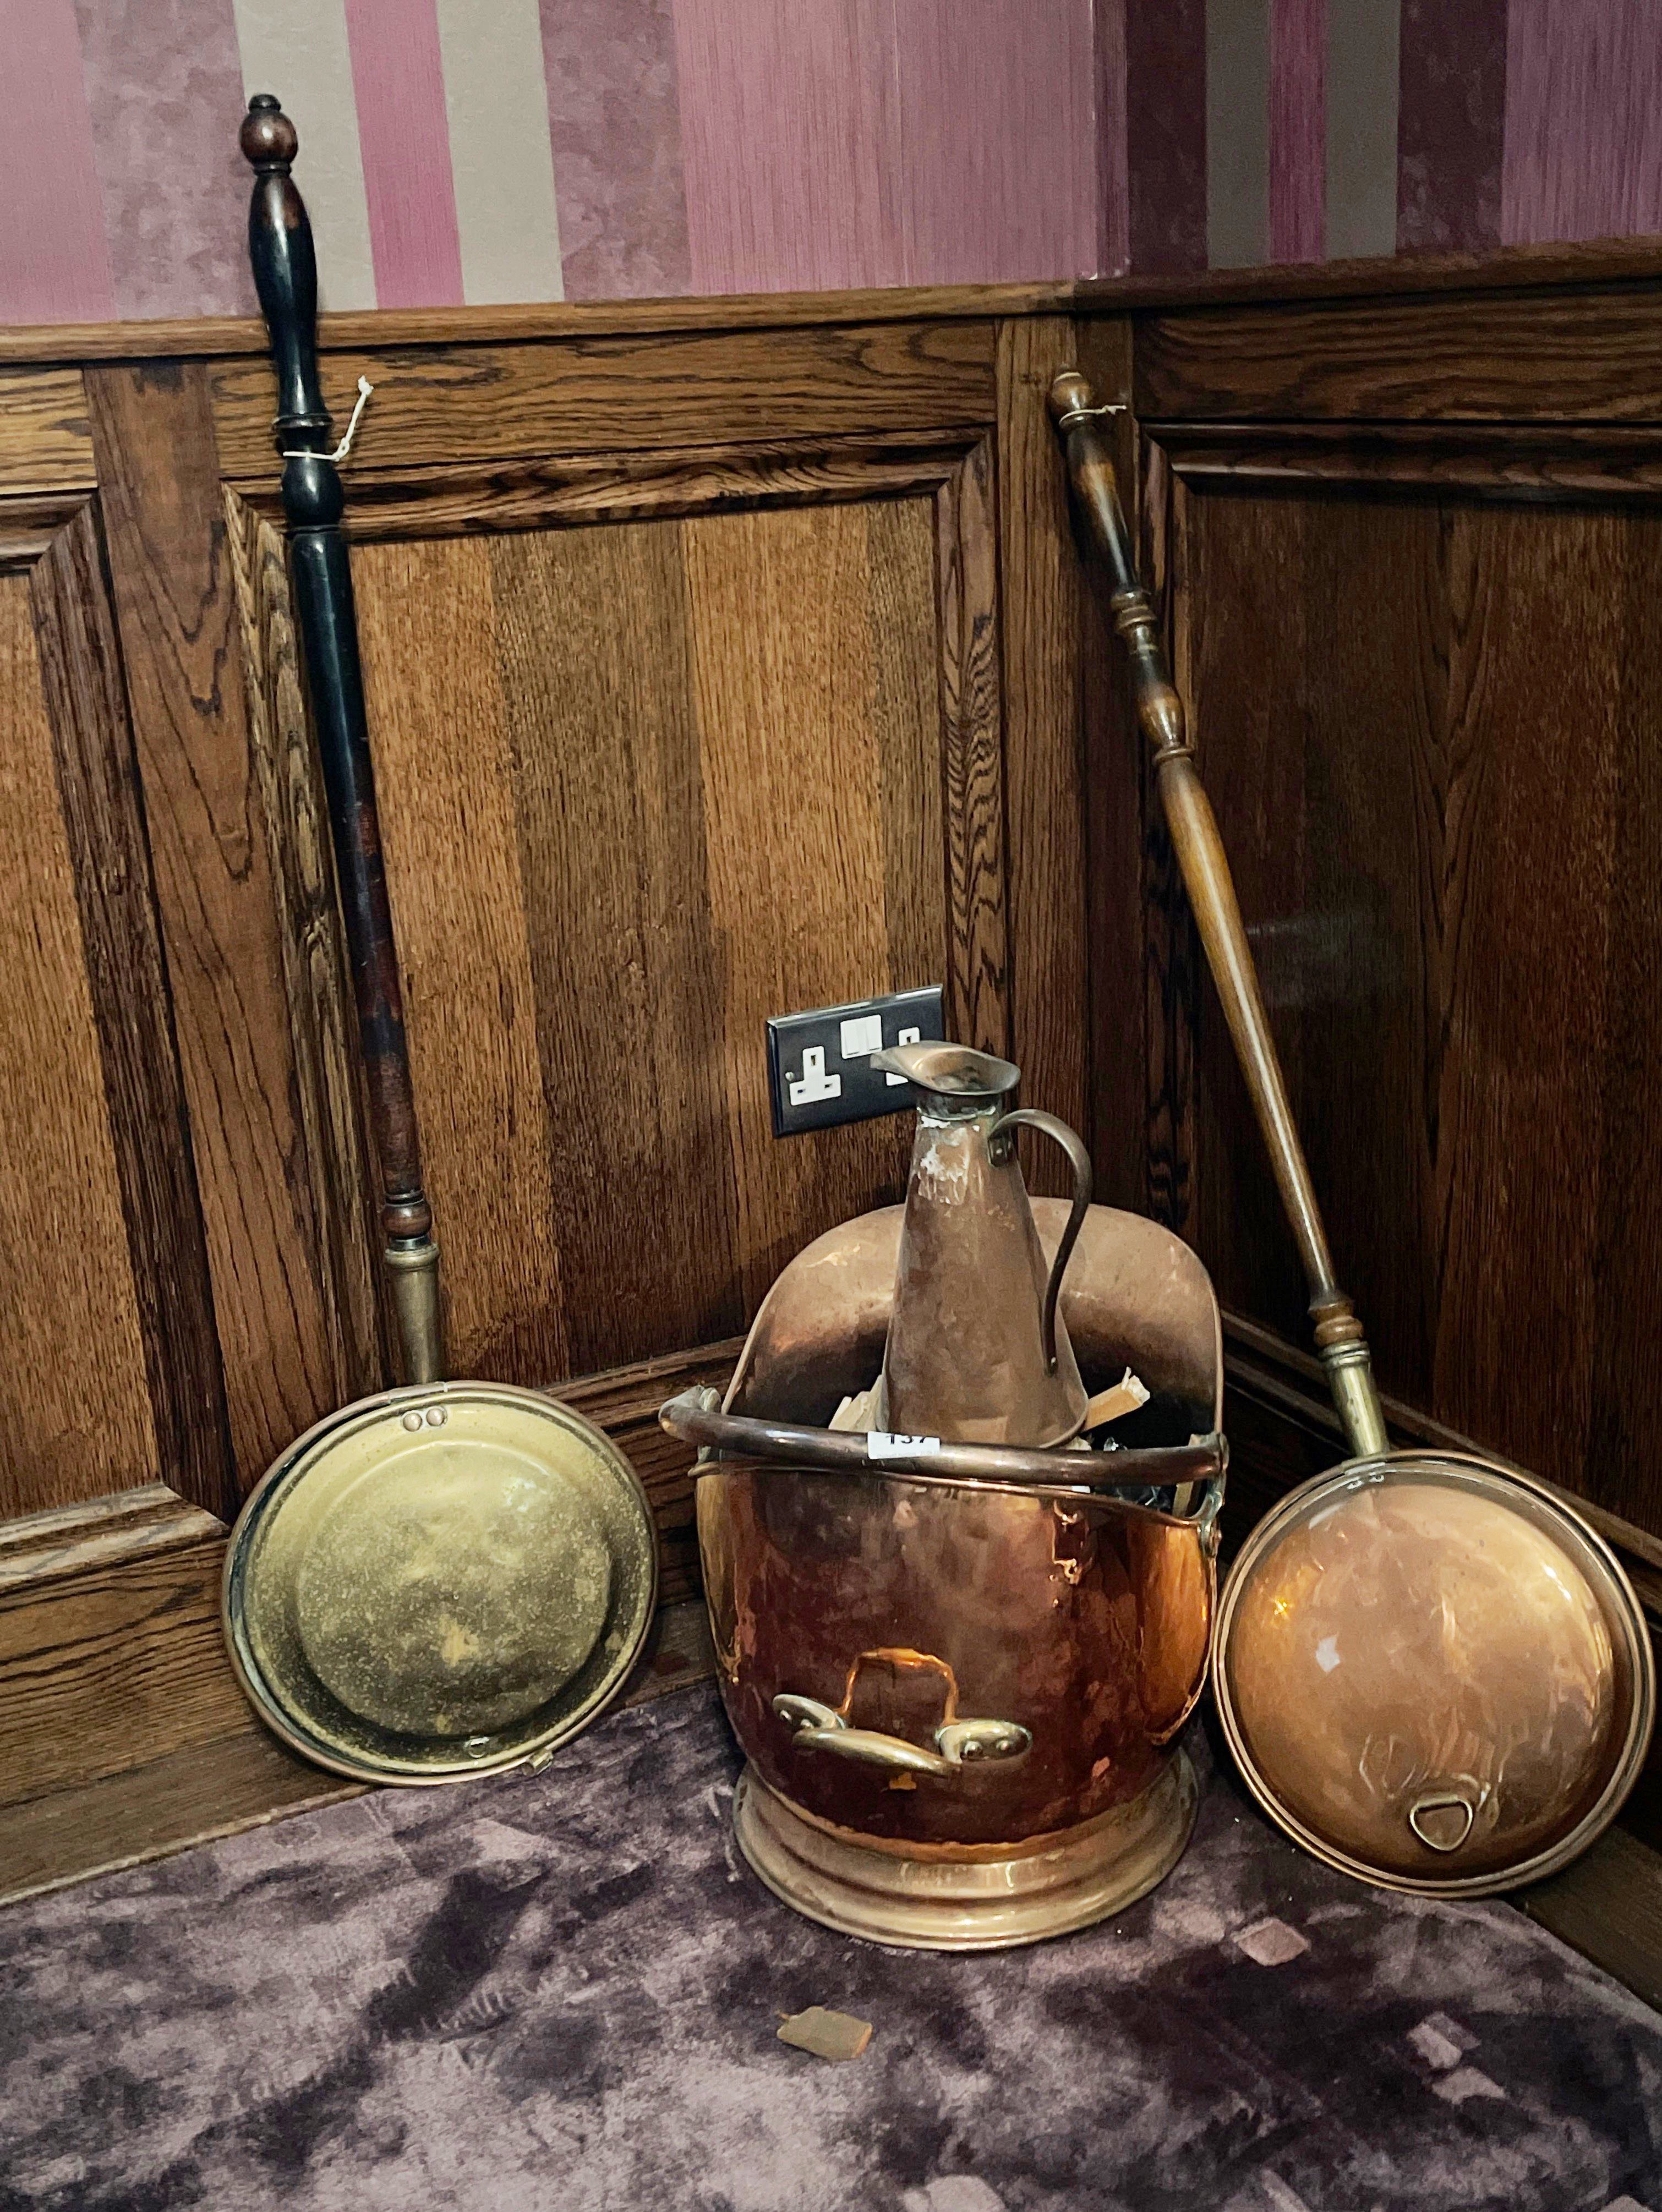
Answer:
[(1339, 1335), (695, 1418), (958, 1744), (1029, 1117)]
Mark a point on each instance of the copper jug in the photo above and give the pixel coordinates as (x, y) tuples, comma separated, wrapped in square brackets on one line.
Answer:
[(977, 1351)]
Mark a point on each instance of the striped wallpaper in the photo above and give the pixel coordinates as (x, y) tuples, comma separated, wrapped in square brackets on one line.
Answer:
[(484, 150)]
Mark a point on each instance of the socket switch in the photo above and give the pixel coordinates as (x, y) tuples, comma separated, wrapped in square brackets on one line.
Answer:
[(819, 1070)]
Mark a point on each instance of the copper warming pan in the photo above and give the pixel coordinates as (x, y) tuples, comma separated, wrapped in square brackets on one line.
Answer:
[(1431, 1669), (959, 1698)]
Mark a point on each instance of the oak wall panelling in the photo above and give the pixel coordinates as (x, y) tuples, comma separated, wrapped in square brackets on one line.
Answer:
[(1419, 659), (690, 702), (111, 1365), (729, 657)]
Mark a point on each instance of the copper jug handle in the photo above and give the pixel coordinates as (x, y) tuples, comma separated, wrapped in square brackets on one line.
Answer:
[(998, 1145)]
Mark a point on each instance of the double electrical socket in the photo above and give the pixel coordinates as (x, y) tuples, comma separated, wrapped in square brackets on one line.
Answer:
[(819, 1070)]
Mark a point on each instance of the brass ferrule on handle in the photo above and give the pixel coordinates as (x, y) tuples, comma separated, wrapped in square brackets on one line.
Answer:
[(1340, 1339), (412, 1268)]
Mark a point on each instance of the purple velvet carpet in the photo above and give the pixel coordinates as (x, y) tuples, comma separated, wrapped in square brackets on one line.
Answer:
[(561, 1993)]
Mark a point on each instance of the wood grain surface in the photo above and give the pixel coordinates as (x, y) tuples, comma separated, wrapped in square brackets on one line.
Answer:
[(336, 1189), (75, 1406), (487, 498), (1567, 463), (1575, 356), (601, 394), (787, 666), (1459, 941), (1515, 269), (971, 708), (37, 1548), (445, 773), (176, 601), (122, 1662), (1044, 721), (47, 445), (643, 785)]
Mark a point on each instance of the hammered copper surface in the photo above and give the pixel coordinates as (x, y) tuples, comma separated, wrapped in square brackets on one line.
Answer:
[(969, 1356), (1134, 1292), (1432, 1672), (902, 1605)]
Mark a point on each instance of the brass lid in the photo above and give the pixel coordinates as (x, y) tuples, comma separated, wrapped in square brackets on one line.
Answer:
[(445, 1580), (1434, 1674)]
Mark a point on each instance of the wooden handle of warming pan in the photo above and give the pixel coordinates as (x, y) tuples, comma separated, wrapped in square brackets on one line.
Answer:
[(1193, 831), (285, 276)]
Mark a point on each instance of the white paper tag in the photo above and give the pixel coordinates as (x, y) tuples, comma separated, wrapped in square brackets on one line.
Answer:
[(879, 1444)]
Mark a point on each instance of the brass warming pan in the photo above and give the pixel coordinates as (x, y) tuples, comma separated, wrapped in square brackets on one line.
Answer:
[(450, 1577)]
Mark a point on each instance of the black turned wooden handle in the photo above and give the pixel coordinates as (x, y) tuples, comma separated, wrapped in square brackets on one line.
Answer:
[(285, 275)]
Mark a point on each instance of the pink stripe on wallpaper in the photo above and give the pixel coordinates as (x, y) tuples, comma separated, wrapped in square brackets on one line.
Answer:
[(787, 138), (164, 84), (1583, 155), (1113, 181), (405, 134), (54, 259), (1298, 130), (614, 112), (997, 153), (1166, 133), (1451, 118)]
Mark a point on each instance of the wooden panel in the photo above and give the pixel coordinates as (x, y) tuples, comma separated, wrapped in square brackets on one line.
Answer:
[(625, 993), (483, 401), (47, 445), (337, 1188), (1459, 935), (75, 1414), (446, 778), (1564, 356), (176, 600), (120, 1661), (40, 1548), (799, 720), (642, 787), (1564, 462), (528, 495), (966, 558), (1043, 715)]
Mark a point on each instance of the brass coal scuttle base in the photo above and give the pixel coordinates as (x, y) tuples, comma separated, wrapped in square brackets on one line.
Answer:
[(960, 1700), (969, 1900)]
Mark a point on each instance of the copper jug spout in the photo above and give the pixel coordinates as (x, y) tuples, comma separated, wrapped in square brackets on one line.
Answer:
[(977, 1351)]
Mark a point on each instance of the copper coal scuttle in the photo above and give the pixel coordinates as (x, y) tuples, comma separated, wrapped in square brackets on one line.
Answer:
[(961, 1616)]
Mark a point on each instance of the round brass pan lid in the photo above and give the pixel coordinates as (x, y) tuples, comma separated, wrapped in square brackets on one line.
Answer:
[(1434, 1674), (441, 1580)]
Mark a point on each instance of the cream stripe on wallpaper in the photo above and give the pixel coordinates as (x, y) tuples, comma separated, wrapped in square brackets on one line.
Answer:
[(502, 161), (1237, 133), (298, 50)]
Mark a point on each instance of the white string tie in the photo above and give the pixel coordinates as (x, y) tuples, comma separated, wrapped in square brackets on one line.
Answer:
[(345, 446)]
